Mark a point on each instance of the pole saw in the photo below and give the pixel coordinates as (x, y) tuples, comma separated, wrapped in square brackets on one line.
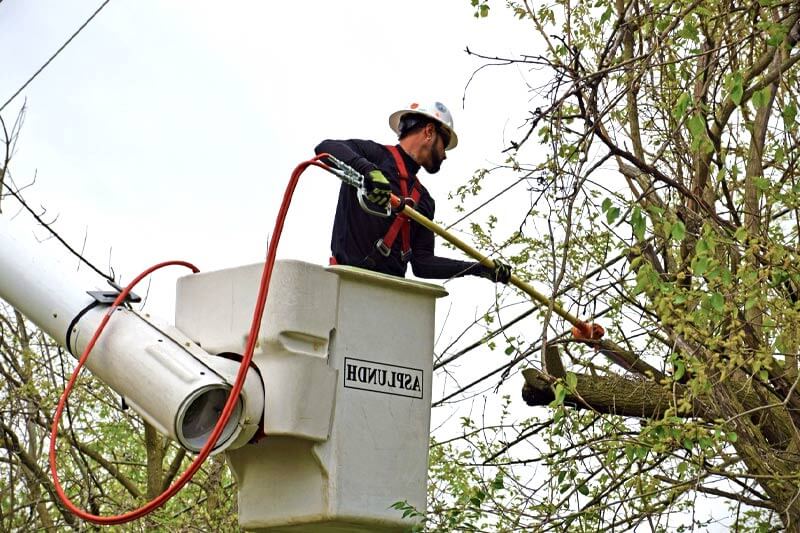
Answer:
[(588, 333)]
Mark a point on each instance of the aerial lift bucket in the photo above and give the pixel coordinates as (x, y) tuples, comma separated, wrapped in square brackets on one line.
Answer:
[(346, 359)]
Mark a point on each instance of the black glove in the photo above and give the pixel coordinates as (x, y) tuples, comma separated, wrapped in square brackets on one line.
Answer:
[(377, 189), (501, 273)]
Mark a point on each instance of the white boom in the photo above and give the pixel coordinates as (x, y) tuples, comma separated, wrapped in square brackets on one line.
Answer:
[(169, 380)]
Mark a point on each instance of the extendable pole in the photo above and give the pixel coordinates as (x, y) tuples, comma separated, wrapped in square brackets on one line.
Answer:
[(610, 349), (487, 262)]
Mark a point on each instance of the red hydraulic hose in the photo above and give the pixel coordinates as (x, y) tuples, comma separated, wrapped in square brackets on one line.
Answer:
[(247, 357)]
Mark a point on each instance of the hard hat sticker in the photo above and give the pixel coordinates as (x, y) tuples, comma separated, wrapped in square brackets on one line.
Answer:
[(384, 378)]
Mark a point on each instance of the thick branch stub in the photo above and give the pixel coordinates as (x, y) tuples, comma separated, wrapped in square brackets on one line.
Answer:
[(605, 394)]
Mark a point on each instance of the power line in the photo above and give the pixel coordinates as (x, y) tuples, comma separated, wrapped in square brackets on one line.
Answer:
[(55, 54)]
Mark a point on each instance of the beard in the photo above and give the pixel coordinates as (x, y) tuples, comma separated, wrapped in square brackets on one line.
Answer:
[(434, 165)]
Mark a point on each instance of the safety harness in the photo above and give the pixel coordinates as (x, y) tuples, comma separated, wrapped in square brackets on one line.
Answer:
[(401, 223)]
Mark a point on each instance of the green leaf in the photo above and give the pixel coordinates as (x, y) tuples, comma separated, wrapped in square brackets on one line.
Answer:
[(583, 489), (680, 370), (761, 97), (606, 15), (612, 214), (717, 301), (699, 266), (689, 31), (789, 114), (761, 184), (630, 453), (572, 380), (497, 483), (606, 205), (737, 89), (639, 223), (681, 105), (697, 126), (678, 231), (741, 234), (561, 393), (732, 436)]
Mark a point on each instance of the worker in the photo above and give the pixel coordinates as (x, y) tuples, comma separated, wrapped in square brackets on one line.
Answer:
[(387, 245)]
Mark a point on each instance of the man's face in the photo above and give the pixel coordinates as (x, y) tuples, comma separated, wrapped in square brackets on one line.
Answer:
[(433, 162)]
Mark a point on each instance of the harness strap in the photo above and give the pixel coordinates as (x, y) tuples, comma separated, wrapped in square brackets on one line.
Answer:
[(401, 223)]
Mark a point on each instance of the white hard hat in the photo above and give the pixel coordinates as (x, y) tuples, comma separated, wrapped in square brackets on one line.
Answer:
[(437, 111)]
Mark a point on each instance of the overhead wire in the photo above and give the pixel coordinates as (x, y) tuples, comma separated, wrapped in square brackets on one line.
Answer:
[(52, 57)]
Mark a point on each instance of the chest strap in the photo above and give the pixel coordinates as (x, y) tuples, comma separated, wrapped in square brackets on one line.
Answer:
[(401, 223)]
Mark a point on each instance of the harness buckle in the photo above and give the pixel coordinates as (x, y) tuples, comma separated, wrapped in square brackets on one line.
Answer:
[(405, 256), (382, 248)]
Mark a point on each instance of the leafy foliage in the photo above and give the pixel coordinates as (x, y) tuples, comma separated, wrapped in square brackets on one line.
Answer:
[(661, 165)]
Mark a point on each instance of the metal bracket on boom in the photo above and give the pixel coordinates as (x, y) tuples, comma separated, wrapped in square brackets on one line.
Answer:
[(108, 297)]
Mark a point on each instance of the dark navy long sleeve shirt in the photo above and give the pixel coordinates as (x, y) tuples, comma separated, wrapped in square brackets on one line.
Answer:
[(355, 232)]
